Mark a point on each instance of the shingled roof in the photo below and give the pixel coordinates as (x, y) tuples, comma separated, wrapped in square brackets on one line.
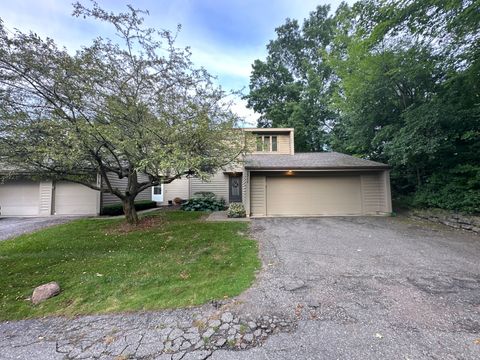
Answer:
[(319, 160)]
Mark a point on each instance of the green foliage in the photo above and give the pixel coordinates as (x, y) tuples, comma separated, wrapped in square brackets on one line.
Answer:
[(205, 194), (236, 210), (177, 261), (399, 83), (408, 85), (117, 209), (457, 189), (291, 87), (128, 105), (204, 203)]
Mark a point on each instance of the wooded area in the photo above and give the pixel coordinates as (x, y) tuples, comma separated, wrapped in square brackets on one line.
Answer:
[(392, 81)]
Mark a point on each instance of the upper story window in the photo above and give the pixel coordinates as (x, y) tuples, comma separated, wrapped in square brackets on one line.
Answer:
[(267, 143)]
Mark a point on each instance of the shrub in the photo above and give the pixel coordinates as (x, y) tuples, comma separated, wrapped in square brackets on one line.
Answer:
[(117, 209), (236, 210), (457, 189), (204, 204), (204, 194)]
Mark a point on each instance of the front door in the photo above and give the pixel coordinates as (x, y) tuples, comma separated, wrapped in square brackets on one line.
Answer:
[(235, 188), (157, 193)]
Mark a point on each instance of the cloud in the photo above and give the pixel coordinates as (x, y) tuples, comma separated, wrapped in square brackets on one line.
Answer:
[(249, 117), (225, 36)]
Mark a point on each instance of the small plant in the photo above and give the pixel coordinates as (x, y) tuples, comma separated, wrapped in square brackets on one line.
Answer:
[(231, 343), (204, 204), (243, 329), (236, 210), (204, 194)]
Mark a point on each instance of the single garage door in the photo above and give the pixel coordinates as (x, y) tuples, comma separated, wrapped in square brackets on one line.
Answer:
[(19, 198), (75, 199), (314, 195)]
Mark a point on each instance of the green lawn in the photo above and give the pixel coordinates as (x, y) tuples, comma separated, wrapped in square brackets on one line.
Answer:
[(179, 261)]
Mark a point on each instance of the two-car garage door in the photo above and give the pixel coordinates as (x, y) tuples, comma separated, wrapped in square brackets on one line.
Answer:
[(316, 195), (34, 198), (313, 196)]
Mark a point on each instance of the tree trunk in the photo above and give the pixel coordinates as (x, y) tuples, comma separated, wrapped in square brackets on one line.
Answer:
[(129, 210)]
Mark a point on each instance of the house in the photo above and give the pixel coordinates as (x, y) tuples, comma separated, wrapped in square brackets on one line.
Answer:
[(22, 196), (272, 180), (276, 181)]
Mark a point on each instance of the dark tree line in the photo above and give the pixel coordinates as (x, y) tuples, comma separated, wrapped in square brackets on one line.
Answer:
[(394, 81)]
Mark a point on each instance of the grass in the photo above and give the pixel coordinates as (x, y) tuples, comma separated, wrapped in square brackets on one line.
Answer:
[(177, 260)]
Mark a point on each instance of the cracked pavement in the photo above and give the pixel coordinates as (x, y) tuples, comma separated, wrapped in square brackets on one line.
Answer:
[(347, 288)]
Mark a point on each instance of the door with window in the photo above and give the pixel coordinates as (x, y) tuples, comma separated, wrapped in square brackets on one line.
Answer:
[(157, 193), (235, 188)]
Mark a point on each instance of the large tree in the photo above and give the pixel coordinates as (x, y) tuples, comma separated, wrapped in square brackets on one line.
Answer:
[(124, 106), (408, 94), (292, 86)]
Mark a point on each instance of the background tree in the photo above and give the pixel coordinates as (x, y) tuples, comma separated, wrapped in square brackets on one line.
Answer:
[(393, 81), (407, 76), (291, 87), (122, 108)]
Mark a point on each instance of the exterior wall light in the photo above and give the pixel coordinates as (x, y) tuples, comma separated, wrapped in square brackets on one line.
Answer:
[(289, 172)]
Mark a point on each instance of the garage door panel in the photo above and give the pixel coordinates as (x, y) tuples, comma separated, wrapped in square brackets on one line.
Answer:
[(20, 198), (75, 199), (319, 195)]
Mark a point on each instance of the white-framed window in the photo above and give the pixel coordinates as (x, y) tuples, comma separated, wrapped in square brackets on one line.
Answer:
[(267, 143)]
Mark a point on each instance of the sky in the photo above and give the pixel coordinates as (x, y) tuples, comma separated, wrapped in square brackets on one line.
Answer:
[(225, 36)]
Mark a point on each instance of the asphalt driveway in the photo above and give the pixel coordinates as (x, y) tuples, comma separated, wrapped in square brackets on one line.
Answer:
[(347, 288), (367, 288), (14, 226)]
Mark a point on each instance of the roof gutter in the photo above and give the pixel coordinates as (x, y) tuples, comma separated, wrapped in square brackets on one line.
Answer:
[(300, 168)]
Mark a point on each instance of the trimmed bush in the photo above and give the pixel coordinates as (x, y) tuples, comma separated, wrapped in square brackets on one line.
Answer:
[(236, 210), (117, 209), (204, 194), (203, 204)]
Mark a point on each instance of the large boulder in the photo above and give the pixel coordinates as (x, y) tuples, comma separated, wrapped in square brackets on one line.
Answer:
[(45, 291)]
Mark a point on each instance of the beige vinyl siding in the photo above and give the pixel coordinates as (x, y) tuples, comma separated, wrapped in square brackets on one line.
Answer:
[(19, 198), (314, 195), (217, 184), (257, 195), (177, 188), (45, 198), (75, 199), (373, 193), (283, 144), (109, 199)]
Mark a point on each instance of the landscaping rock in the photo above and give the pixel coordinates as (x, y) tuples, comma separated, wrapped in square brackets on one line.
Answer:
[(220, 342), (224, 327), (45, 291), (252, 325), (248, 338), (227, 317), (176, 333), (208, 334), (214, 323)]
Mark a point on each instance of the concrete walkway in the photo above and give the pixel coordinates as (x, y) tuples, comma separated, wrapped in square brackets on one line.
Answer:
[(222, 216)]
